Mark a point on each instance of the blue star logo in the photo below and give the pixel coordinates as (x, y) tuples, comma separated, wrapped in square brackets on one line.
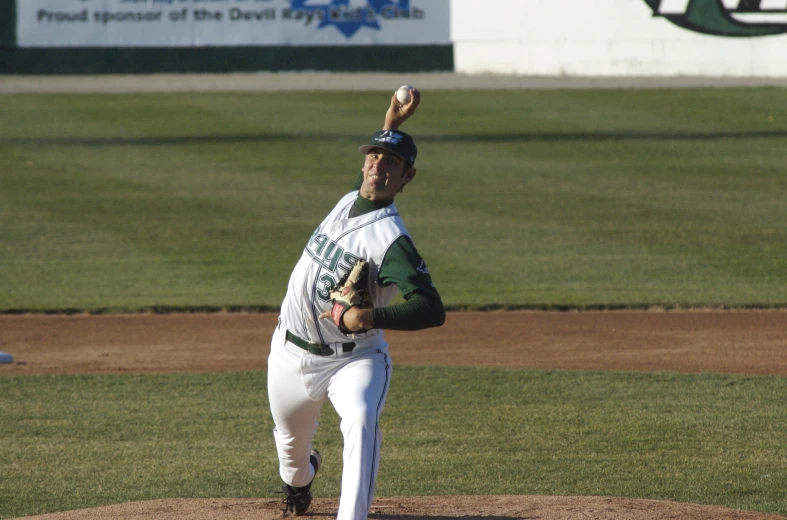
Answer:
[(349, 16)]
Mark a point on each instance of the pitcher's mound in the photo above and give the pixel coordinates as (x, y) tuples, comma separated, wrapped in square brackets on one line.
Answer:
[(417, 508)]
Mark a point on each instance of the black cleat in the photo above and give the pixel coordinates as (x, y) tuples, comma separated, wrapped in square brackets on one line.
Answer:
[(298, 500), (296, 503)]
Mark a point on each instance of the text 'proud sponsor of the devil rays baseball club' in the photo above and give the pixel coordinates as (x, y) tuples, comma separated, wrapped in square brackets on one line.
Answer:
[(349, 16), (725, 17)]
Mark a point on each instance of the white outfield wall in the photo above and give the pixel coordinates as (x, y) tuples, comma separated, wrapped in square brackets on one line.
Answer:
[(606, 38)]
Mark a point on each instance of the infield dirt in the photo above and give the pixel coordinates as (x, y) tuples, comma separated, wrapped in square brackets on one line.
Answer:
[(742, 342)]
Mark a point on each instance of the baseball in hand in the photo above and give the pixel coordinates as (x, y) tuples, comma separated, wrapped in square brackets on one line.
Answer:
[(403, 94)]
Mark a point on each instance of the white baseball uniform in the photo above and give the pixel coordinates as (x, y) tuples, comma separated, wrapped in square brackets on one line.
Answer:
[(354, 378)]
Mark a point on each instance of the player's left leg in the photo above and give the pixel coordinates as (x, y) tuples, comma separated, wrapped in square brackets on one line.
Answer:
[(358, 394)]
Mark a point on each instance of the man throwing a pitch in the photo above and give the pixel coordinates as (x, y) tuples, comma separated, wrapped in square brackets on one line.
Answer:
[(329, 343)]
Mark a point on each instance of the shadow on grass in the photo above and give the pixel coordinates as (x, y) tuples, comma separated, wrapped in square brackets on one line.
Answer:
[(610, 135)]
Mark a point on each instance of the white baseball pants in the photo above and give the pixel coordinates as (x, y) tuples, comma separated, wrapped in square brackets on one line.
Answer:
[(299, 383)]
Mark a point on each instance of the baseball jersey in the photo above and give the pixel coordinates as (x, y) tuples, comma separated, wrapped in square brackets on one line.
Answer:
[(331, 251)]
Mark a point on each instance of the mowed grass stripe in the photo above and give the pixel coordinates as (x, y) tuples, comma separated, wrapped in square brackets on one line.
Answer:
[(523, 198)]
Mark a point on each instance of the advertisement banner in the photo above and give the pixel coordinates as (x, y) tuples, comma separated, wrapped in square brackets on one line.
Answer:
[(731, 18), (194, 23), (746, 38)]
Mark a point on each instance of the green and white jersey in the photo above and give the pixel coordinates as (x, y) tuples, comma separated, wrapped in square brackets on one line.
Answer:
[(331, 252)]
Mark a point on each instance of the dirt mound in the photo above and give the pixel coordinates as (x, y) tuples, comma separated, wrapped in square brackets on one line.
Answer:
[(418, 508)]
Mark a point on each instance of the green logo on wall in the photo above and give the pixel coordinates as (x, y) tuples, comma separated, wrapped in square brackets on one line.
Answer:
[(740, 18)]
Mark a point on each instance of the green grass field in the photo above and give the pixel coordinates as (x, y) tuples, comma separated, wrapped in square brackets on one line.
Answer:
[(83, 441), (524, 199)]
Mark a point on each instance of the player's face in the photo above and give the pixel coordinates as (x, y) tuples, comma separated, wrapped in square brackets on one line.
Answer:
[(384, 174)]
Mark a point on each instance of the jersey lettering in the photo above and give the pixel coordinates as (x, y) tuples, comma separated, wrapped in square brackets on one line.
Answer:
[(332, 255), (325, 251), (349, 261), (333, 258), (329, 254), (317, 243)]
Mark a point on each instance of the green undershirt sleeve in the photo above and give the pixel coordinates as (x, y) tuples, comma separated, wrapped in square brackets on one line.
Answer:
[(418, 312), (423, 307)]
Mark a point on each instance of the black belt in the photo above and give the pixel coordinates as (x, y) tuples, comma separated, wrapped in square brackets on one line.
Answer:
[(318, 349)]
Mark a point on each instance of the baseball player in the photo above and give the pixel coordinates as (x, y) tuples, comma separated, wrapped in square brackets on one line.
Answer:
[(329, 343)]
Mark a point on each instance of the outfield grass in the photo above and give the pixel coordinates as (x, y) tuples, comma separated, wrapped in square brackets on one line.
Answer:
[(83, 441), (523, 198)]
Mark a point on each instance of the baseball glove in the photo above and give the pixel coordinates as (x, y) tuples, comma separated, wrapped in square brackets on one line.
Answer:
[(351, 291)]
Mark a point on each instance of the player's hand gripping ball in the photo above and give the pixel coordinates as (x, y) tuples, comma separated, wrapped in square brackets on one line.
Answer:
[(351, 291), (403, 94)]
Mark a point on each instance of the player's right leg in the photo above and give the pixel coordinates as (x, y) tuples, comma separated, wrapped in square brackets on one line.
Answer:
[(294, 413)]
